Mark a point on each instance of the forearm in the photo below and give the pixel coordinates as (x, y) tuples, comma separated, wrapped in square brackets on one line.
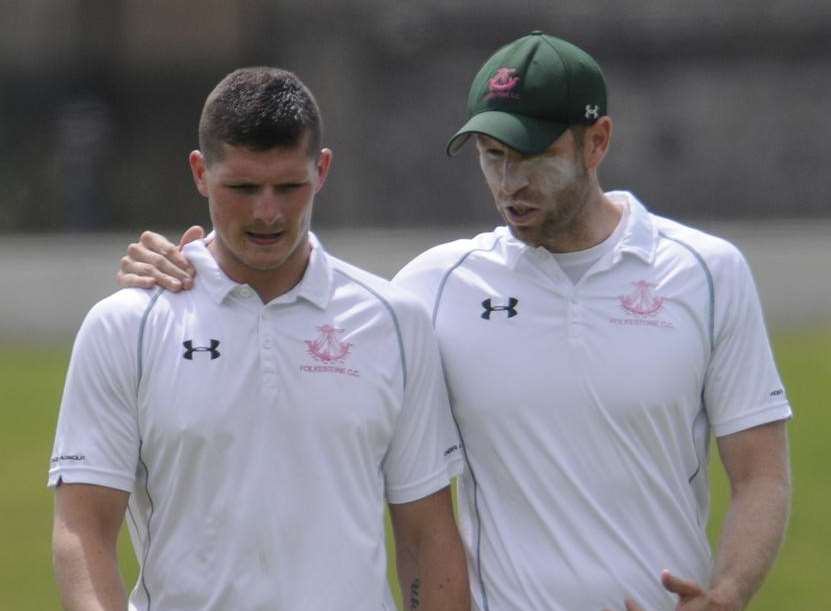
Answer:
[(751, 536), (408, 577), (87, 574), (434, 577)]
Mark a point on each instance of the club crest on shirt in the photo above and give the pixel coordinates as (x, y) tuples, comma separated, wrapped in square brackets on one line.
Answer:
[(328, 350), (642, 305), (642, 301)]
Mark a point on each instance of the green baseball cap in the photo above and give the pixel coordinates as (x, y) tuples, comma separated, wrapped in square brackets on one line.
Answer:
[(530, 91)]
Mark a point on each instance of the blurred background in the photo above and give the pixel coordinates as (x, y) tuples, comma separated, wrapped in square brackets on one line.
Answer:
[(720, 113)]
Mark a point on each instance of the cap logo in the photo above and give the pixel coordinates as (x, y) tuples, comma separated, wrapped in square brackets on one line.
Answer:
[(592, 111), (503, 83)]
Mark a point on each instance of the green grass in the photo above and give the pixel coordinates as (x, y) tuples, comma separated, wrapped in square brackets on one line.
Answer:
[(31, 379)]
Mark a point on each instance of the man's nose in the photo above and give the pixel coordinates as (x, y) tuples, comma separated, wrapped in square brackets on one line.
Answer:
[(267, 207), (513, 178)]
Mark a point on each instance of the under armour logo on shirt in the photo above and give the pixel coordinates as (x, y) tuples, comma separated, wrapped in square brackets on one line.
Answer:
[(489, 308), (592, 111), (190, 349)]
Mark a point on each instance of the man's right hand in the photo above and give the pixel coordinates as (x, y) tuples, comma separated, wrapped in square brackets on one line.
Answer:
[(155, 261)]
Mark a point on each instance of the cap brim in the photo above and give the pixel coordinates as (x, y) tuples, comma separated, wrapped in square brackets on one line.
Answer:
[(527, 135)]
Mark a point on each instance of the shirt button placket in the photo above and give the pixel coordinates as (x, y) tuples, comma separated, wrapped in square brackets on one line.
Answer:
[(574, 317), (269, 365)]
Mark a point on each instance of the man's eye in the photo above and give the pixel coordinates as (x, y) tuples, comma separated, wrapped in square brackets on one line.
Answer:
[(288, 188), (243, 188)]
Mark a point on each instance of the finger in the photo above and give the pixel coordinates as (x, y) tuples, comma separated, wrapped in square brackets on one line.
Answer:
[(154, 243), (171, 263), (631, 605), (149, 274), (191, 233), (127, 281), (684, 588)]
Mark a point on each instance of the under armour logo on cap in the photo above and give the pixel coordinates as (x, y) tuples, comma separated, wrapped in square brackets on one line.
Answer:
[(190, 349), (510, 308), (592, 112)]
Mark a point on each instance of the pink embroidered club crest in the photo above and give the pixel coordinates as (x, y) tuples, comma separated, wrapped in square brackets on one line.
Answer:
[(503, 81), (326, 347), (642, 301)]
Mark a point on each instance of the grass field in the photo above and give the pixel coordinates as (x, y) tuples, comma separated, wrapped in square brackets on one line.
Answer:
[(31, 379)]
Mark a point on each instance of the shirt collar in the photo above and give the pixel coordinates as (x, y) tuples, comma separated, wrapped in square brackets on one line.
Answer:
[(315, 286), (639, 237)]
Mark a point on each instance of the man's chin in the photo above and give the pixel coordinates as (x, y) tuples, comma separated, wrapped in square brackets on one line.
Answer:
[(529, 235)]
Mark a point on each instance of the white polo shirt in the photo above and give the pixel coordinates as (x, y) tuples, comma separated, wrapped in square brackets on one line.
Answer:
[(258, 442), (585, 410)]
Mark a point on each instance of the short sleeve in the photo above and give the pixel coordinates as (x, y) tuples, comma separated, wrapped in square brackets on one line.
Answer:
[(425, 451), (742, 386), (97, 438)]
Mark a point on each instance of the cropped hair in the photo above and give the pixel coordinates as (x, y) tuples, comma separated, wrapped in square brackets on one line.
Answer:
[(259, 108)]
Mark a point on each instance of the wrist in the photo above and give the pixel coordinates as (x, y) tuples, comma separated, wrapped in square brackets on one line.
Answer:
[(728, 595)]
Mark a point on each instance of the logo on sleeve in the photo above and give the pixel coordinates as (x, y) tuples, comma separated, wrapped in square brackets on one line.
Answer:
[(490, 308), (67, 458), (190, 349)]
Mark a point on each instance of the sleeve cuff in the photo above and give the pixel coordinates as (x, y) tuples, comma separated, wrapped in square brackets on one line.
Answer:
[(425, 487), (763, 416), (86, 475)]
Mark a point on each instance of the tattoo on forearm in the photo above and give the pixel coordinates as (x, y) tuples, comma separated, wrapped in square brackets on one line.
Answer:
[(414, 601)]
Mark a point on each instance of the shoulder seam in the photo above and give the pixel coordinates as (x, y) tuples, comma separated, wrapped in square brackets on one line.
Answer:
[(453, 268), (710, 284), (392, 313), (140, 342)]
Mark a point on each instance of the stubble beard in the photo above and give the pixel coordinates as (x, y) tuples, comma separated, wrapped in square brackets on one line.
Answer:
[(562, 222)]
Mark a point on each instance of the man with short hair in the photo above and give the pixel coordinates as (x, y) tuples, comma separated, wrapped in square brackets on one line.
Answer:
[(252, 428), (609, 343)]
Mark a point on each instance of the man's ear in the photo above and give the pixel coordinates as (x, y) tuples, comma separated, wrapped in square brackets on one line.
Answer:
[(199, 169), (324, 162), (596, 142)]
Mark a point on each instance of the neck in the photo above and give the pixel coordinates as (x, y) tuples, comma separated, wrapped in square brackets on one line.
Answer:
[(594, 220), (269, 282)]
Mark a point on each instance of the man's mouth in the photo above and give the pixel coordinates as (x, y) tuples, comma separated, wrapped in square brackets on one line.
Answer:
[(518, 213), (264, 238)]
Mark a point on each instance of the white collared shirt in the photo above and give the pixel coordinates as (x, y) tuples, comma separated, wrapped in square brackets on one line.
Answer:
[(585, 408), (258, 442)]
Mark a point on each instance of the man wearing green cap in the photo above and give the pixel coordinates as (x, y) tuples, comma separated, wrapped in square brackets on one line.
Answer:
[(590, 348)]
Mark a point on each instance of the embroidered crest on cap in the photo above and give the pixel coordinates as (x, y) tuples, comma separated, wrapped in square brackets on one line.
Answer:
[(503, 83)]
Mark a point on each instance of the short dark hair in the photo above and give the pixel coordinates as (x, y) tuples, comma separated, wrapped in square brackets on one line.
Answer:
[(578, 130), (259, 108)]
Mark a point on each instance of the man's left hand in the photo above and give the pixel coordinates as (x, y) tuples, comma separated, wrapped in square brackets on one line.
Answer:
[(692, 596)]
